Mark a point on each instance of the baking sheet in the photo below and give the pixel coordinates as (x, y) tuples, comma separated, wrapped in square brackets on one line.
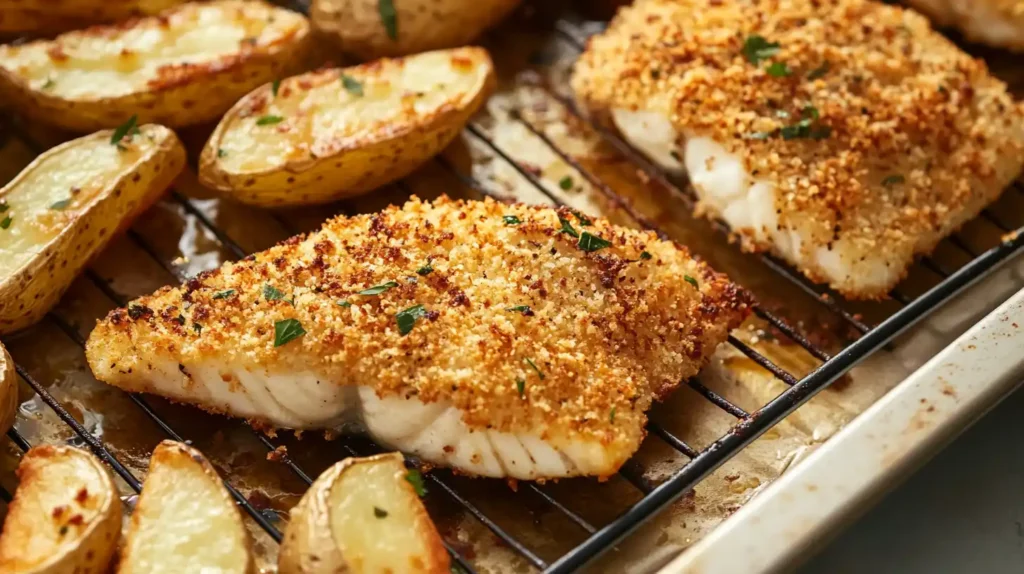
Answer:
[(169, 242)]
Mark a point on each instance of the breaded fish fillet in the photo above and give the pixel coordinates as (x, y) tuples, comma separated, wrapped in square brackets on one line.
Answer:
[(502, 340), (995, 22), (846, 136)]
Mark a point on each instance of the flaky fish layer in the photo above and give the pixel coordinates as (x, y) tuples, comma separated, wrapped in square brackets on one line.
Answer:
[(503, 340), (846, 136)]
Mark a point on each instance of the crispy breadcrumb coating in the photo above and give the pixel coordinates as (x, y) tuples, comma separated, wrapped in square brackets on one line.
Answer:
[(904, 137), (506, 296)]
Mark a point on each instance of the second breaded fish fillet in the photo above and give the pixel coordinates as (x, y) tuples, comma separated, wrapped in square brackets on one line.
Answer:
[(994, 22), (846, 136), (501, 340)]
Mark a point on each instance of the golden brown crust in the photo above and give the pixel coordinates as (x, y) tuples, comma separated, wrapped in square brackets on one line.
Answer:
[(607, 330), (894, 98)]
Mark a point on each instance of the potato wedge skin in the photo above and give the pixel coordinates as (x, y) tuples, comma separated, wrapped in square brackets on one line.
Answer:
[(94, 542), (8, 390), (31, 291), (171, 454), (422, 25), (183, 95), (28, 16), (309, 546), (361, 166)]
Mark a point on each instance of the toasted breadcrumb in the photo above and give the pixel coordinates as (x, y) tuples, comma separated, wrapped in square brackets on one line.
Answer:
[(594, 336), (907, 135)]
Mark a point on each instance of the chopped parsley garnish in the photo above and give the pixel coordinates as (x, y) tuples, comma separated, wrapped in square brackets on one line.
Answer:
[(344, 304), (511, 220), (582, 219), (271, 293), (380, 512), (565, 183), (388, 17), (779, 70), (691, 281), (274, 87), (810, 112), (221, 152), (567, 227), (806, 127), (229, 292), (180, 319), (611, 416), (197, 327), (287, 331), (591, 243), (521, 387), (378, 289), (645, 255), (269, 120), (894, 179), (524, 309), (407, 319), (756, 48), (535, 368), (819, 72), (48, 84), (416, 480), (61, 205), (6, 223), (124, 129), (4, 206), (352, 85), (425, 270)]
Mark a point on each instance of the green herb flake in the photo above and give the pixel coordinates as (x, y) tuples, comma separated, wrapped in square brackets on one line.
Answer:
[(6, 223), (48, 84), (691, 281), (521, 387), (757, 48), (565, 183), (524, 309), (352, 85), (287, 331), (646, 256), (388, 17), (123, 130), (4, 206), (810, 112), (274, 87), (591, 243), (416, 480), (378, 289), (511, 220), (61, 205), (894, 179), (406, 319), (567, 227), (344, 304), (535, 368), (197, 328), (380, 512), (227, 293), (779, 70), (271, 293), (425, 270), (611, 416), (582, 219), (269, 120), (819, 72), (221, 153), (180, 319)]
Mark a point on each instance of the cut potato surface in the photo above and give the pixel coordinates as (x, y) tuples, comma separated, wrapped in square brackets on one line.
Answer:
[(34, 16), (185, 520), (186, 66), (65, 517), (8, 390), (362, 516), (363, 28), (65, 206), (335, 133)]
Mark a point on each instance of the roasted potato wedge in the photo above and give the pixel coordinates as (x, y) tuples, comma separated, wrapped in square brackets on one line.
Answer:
[(362, 516), (65, 516), (332, 133), (186, 66), (373, 29), (8, 390), (34, 16), (64, 207), (185, 520)]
